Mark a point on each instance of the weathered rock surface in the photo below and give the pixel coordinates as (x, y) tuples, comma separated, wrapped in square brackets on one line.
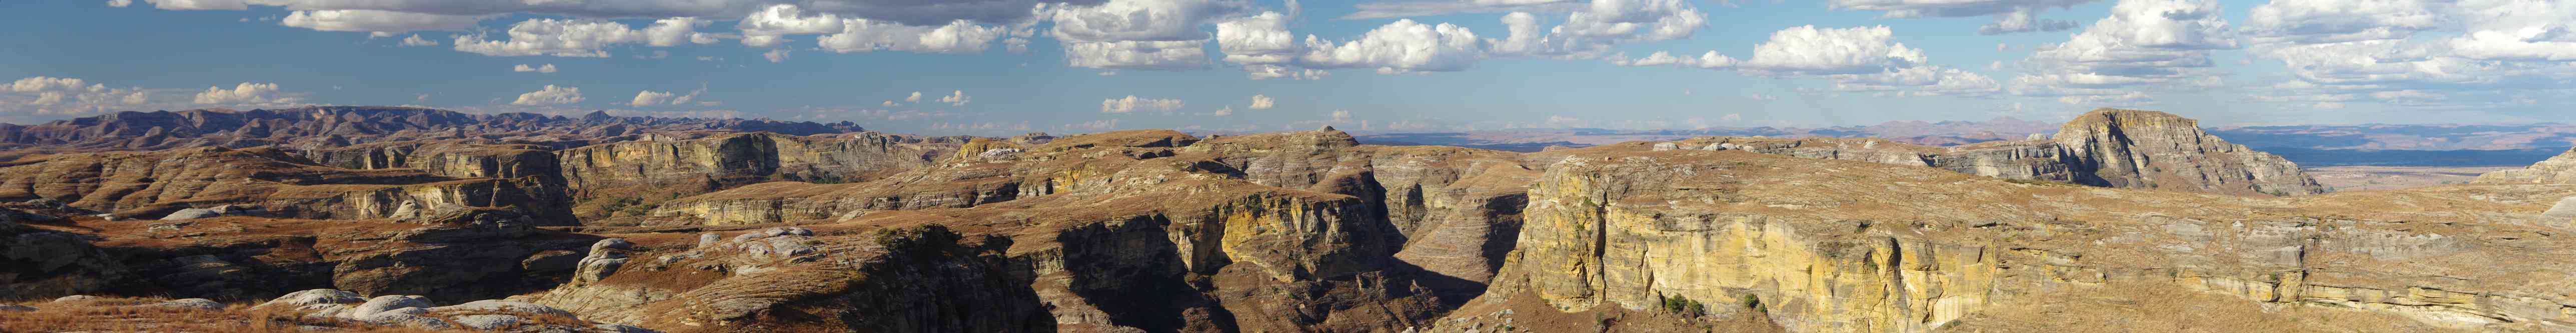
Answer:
[(2107, 147), (151, 185), (632, 177), (1843, 246), (2555, 170), (315, 128)]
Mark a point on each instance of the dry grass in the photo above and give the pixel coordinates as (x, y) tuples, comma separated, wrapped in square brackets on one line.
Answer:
[(135, 315), (2156, 307)]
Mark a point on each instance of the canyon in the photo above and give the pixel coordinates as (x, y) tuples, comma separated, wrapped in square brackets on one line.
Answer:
[(2122, 220)]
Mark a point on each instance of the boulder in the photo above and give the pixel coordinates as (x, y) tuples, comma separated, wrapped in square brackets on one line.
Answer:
[(311, 297), (487, 321), (386, 303), (192, 303)]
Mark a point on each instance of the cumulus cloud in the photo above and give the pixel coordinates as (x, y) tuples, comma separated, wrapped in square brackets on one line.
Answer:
[(1340, 116), (47, 83), (769, 26), (1260, 102), (1155, 55), (1396, 9), (651, 98), (1142, 20), (1857, 59), (2142, 43), (775, 56), (377, 21), (954, 98), (915, 98), (552, 37), (244, 93), (1399, 47), (859, 35), (1133, 103), (550, 95), (1593, 30), (523, 68), (415, 40), (1140, 34), (2322, 21), (198, 4), (2010, 15), (120, 3), (676, 31)]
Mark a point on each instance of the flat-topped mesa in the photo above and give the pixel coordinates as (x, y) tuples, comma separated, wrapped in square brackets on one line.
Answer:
[(2107, 147), (2555, 170), (2149, 149)]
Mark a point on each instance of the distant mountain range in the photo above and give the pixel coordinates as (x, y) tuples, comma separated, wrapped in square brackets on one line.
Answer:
[(2309, 145)]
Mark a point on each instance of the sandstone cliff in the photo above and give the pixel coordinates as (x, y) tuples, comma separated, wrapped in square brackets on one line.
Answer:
[(148, 185), (2107, 147), (637, 175), (1847, 246)]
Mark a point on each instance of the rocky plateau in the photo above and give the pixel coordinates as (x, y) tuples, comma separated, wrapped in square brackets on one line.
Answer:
[(381, 218)]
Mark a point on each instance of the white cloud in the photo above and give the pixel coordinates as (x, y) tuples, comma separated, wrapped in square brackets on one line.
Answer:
[(775, 56), (1340, 116), (244, 93), (198, 4), (1592, 31), (550, 95), (552, 37), (1402, 46), (1155, 55), (1258, 40), (2142, 43), (2319, 21), (955, 98), (860, 35), (377, 21), (2010, 15), (1397, 9), (915, 98), (1133, 103), (1221, 112), (47, 83), (651, 98), (1142, 20), (1858, 59), (523, 68), (677, 30), (415, 40), (120, 3), (1806, 50), (1260, 102)]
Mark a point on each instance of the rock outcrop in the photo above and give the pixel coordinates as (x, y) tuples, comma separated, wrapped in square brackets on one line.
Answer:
[(616, 178), (2555, 170), (2107, 148), (1843, 246), (151, 185), (324, 127)]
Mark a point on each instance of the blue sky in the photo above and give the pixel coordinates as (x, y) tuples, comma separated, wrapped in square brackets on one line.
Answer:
[(1408, 65)]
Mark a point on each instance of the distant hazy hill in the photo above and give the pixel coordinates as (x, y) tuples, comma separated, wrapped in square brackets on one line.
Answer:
[(2309, 145)]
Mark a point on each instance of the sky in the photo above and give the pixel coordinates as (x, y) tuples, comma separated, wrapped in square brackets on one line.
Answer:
[(1003, 67)]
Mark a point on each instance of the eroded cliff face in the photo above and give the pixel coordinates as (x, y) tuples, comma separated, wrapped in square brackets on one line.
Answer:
[(2107, 147), (615, 178), (2148, 149), (149, 185), (1634, 228)]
